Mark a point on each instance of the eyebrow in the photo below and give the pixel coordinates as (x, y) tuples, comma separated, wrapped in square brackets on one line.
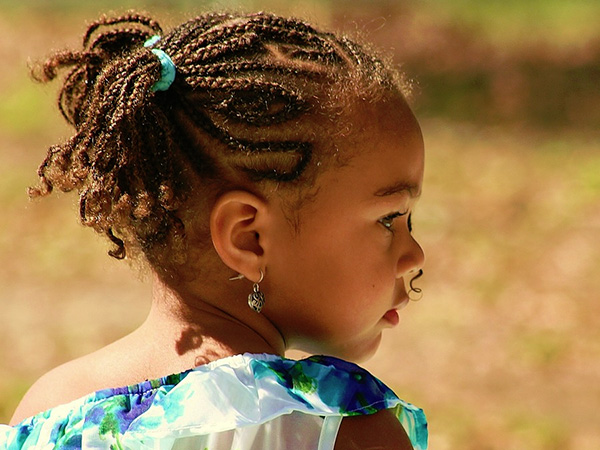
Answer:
[(399, 188)]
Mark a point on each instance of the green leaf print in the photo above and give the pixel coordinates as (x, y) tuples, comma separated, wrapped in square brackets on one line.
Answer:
[(304, 384), (110, 425)]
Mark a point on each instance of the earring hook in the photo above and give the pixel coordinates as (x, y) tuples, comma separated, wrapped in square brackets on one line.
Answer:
[(240, 276)]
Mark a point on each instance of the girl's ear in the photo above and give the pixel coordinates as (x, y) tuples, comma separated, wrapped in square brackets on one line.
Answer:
[(236, 222)]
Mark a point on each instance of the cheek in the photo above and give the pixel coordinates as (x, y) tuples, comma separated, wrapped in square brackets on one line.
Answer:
[(357, 271), (355, 252), (336, 256)]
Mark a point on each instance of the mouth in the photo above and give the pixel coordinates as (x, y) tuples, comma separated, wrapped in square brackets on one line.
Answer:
[(392, 316)]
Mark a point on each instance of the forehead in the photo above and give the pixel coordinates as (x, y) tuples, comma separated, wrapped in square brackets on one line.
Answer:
[(386, 145), (382, 157)]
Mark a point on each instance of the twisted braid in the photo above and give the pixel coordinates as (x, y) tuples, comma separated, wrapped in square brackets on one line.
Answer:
[(236, 75), (127, 18)]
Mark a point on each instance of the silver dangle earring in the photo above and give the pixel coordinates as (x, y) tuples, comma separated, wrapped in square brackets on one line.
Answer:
[(256, 299)]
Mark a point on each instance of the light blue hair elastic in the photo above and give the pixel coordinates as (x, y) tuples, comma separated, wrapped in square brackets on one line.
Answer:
[(167, 67)]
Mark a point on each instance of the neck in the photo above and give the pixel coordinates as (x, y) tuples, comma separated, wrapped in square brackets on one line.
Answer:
[(189, 330)]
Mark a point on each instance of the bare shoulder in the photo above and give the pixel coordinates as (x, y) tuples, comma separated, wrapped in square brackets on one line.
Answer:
[(380, 431), (58, 386), (106, 367)]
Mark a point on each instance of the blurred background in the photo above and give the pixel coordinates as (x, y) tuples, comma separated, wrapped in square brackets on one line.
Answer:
[(503, 351)]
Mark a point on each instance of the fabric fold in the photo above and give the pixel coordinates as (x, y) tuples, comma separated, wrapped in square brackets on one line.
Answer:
[(246, 399)]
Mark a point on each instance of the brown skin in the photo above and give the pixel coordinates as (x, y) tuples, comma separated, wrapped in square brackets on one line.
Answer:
[(380, 431), (193, 321)]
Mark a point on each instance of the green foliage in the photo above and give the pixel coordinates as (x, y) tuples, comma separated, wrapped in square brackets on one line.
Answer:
[(540, 432), (506, 22), (22, 109), (541, 348), (589, 177), (503, 21)]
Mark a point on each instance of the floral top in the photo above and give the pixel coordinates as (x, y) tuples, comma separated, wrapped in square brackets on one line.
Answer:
[(243, 402)]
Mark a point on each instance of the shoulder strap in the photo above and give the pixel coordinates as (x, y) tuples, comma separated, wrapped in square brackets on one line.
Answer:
[(331, 426)]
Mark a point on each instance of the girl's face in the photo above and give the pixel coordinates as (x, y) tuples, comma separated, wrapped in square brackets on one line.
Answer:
[(335, 284)]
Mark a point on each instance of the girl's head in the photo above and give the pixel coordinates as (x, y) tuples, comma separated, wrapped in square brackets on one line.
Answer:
[(260, 105), (257, 101)]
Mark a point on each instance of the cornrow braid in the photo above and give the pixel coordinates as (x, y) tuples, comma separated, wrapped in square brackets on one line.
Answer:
[(234, 114)]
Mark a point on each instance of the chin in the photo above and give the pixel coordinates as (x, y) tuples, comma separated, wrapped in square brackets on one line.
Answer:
[(358, 352)]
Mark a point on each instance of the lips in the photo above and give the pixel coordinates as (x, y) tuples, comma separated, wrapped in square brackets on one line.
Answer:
[(392, 317)]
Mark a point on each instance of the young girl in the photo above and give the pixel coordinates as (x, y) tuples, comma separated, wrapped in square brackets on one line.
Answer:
[(266, 172)]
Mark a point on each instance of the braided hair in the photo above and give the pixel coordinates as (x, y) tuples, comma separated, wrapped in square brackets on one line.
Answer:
[(233, 115)]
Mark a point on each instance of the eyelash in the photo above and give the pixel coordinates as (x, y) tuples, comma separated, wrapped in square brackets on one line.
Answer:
[(388, 221)]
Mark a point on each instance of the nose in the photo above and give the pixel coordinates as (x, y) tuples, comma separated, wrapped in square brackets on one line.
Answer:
[(411, 259)]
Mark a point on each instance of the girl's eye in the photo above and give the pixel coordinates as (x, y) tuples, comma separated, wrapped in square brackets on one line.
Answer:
[(388, 221)]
